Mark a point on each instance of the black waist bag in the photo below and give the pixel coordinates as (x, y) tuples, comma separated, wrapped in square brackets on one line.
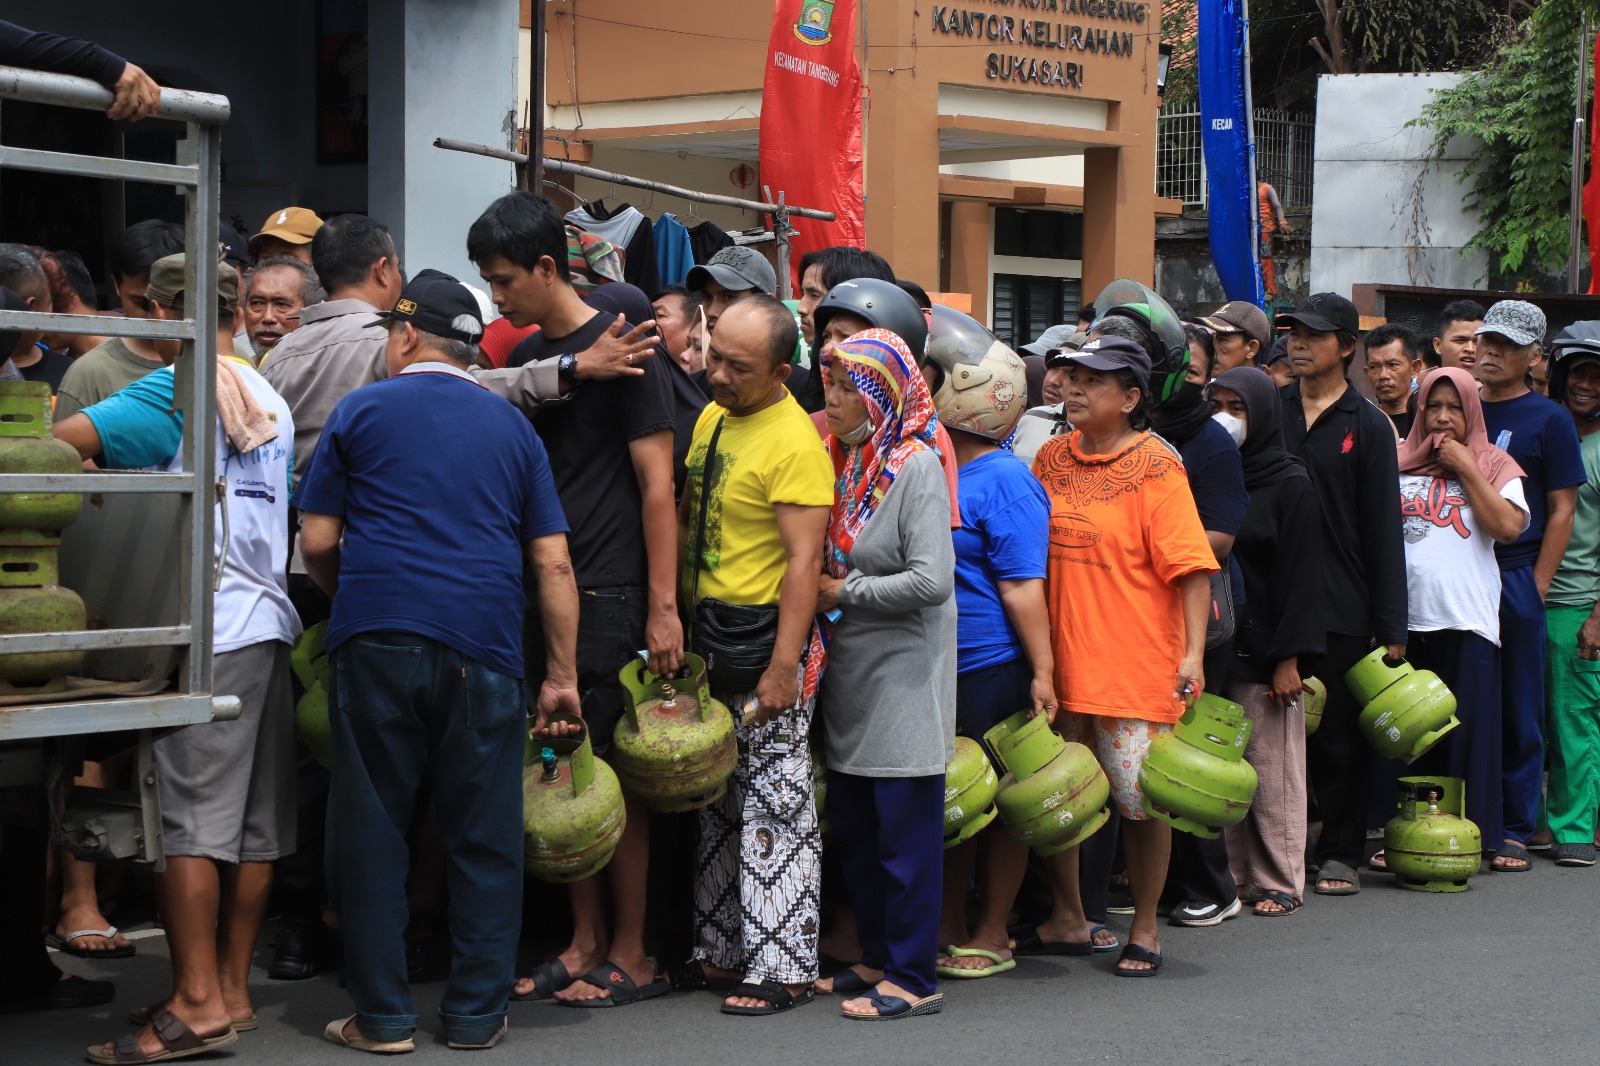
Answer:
[(735, 640)]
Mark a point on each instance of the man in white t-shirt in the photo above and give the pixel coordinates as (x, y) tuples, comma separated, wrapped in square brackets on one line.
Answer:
[(227, 788)]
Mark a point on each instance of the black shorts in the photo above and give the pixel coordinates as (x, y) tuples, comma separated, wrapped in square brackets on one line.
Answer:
[(991, 694), (610, 632)]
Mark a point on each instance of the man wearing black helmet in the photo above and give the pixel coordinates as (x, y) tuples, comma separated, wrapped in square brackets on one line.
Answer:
[(820, 271)]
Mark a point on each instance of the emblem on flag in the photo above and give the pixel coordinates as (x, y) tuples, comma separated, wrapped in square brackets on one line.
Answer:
[(813, 25)]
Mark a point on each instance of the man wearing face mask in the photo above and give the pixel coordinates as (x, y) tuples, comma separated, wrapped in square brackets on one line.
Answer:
[(1198, 880)]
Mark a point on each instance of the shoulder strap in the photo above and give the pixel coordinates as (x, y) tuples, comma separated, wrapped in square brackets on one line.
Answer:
[(706, 473)]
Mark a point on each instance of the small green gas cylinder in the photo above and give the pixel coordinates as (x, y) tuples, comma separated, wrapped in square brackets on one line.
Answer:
[(970, 786), (572, 809), (1429, 845), (1195, 778)]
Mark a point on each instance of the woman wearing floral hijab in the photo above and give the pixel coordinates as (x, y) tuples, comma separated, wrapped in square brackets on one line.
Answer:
[(888, 696)]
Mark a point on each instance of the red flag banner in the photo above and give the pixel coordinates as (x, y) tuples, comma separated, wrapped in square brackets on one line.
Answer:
[(811, 121), (1591, 188)]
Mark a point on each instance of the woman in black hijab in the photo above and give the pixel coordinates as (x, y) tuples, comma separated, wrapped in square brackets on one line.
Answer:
[(1278, 551)]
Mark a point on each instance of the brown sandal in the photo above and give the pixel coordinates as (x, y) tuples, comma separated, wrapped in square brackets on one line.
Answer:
[(142, 1016), (178, 1041)]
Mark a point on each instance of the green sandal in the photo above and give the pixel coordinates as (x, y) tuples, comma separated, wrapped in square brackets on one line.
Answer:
[(999, 965)]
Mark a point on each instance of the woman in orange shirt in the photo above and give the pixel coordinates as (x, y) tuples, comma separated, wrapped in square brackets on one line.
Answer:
[(1128, 594)]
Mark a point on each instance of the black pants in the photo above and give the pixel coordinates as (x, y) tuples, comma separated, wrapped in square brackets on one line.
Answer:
[(25, 967), (1337, 758), (1198, 869)]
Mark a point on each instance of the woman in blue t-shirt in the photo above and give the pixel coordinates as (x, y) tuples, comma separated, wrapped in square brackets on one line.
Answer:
[(1003, 659)]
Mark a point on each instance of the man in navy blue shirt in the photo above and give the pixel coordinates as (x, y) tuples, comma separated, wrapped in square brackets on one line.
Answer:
[(424, 497), (1540, 436)]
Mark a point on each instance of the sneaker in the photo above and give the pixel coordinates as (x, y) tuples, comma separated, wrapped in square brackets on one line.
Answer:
[(1575, 854), (1119, 900), (1194, 914)]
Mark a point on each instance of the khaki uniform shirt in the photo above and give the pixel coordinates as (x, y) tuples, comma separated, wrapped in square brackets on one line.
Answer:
[(333, 353)]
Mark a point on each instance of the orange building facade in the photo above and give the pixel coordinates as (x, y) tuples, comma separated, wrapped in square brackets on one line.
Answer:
[(1009, 145)]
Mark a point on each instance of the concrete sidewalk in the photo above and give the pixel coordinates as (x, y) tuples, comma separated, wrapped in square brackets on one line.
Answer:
[(1503, 973)]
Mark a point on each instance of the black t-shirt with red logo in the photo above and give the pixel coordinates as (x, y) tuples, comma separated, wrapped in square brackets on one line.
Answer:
[(1355, 467)]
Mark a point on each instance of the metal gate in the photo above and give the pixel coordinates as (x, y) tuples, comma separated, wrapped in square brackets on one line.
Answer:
[(196, 175)]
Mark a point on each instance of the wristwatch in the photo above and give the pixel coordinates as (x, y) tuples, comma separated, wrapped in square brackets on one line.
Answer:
[(567, 370)]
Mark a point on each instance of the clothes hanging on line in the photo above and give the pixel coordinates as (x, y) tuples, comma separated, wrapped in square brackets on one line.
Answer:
[(707, 239), (674, 250), (628, 231), (591, 260)]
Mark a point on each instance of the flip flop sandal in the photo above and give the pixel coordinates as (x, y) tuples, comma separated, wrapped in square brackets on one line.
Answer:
[(1031, 945), (850, 983), (893, 1008), (1282, 899), (624, 992), (142, 1016), (334, 1034), (549, 977), (777, 998), (692, 977), (964, 973), (1135, 953), (178, 1041), (1512, 851), (1334, 870), (64, 944), (1378, 862)]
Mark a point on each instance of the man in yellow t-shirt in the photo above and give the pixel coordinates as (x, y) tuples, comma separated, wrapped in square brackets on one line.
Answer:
[(752, 533)]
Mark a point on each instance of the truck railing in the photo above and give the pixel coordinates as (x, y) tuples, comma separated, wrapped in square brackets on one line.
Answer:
[(196, 174)]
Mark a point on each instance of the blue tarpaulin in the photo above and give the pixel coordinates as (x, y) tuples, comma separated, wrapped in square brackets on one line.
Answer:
[(1225, 138)]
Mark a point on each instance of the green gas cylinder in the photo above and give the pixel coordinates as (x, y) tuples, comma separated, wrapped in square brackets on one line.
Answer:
[(1053, 795), (1314, 700), (309, 660), (1406, 711), (675, 747), (572, 810), (26, 447), (33, 601), (1195, 777), (1429, 845), (970, 786)]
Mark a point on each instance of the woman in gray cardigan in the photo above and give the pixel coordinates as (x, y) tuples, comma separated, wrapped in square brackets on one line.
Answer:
[(888, 695)]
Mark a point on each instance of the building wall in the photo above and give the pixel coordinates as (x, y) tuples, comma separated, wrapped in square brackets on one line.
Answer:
[(265, 68), (624, 52), (1375, 184), (440, 68)]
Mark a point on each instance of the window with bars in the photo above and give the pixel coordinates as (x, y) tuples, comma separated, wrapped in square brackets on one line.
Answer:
[(1025, 307)]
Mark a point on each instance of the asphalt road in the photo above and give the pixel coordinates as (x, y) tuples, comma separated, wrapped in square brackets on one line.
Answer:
[(1504, 973)]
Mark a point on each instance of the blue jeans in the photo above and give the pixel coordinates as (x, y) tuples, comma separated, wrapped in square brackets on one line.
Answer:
[(402, 706)]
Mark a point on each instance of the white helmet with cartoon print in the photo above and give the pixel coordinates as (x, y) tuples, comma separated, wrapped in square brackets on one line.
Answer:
[(983, 386)]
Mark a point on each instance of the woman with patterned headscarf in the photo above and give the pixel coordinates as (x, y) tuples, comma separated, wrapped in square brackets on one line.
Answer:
[(888, 698)]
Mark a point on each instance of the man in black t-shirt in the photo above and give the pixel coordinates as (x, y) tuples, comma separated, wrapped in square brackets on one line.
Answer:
[(610, 450), (1348, 446)]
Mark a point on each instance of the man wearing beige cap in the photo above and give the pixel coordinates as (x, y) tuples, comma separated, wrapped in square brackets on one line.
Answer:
[(1242, 335), (287, 231)]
